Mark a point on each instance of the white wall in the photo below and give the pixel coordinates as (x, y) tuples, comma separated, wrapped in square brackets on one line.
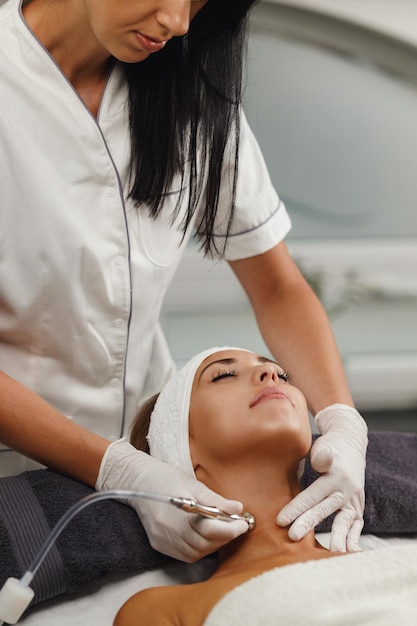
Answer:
[(340, 138), (393, 17)]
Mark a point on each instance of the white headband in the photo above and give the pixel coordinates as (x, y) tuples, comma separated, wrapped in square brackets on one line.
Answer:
[(168, 435)]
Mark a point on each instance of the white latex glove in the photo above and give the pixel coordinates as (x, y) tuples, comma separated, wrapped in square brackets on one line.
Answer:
[(174, 532), (340, 455)]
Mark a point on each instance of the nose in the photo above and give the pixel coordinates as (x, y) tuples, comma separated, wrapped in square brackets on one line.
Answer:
[(266, 372), (174, 16)]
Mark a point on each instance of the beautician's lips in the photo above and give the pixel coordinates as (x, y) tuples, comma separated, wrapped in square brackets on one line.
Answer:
[(268, 394), (148, 44)]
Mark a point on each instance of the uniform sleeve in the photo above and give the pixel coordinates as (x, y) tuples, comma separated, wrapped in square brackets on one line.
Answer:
[(261, 220)]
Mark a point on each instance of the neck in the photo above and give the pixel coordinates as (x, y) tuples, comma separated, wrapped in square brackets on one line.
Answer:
[(61, 26), (266, 543), (267, 540), (264, 494)]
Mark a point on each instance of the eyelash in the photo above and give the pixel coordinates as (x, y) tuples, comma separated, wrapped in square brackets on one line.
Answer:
[(285, 376), (223, 374)]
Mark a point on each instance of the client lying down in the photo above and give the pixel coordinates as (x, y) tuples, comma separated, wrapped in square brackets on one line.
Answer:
[(233, 418)]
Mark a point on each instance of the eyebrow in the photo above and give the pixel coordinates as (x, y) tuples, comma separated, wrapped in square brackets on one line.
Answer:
[(231, 361)]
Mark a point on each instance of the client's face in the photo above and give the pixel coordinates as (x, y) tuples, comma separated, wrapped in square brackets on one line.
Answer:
[(242, 403)]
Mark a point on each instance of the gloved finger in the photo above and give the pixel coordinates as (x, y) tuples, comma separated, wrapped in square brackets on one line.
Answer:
[(321, 455), (174, 543), (205, 536), (352, 543), (217, 531), (341, 526), (309, 520), (206, 496), (304, 501)]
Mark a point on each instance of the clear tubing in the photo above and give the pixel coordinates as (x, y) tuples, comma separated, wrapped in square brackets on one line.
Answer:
[(183, 503), (111, 494), (67, 517), (16, 595)]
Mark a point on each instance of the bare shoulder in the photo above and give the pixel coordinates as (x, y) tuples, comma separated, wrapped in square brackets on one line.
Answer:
[(178, 605), (158, 602)]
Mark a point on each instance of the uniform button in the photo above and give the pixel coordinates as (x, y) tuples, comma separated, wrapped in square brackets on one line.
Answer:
[(110, 192), (114, 382), (119, 323), (120, 260)]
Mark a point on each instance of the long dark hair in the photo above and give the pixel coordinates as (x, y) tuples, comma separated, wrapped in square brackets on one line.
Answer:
[(183, 108), (140, 425)]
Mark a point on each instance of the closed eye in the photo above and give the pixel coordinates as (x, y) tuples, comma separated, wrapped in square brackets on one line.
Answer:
[(223, 374), (285, 376)]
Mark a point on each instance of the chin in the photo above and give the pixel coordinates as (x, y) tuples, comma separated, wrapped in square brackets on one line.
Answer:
[(132, 56)]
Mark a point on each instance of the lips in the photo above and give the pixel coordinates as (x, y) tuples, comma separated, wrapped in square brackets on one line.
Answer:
[(270, 393), (148, 44)]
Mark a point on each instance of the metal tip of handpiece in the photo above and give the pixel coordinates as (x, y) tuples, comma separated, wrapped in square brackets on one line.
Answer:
[(250, 520)]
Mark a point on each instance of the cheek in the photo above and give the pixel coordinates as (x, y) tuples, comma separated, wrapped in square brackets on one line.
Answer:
[(305, 434), (106, 22), (213, 429), (223, 428)]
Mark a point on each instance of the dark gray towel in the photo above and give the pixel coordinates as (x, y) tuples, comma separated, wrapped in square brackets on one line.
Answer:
[(390, 484), (106, 536)]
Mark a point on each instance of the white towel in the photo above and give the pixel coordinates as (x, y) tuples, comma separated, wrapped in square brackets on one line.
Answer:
[(376, 588), (168, 430)]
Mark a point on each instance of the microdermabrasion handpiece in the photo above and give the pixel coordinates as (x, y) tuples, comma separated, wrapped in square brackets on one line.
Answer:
[(191, 506)]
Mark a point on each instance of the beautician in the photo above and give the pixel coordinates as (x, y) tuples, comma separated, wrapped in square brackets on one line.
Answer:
[(121, 135)]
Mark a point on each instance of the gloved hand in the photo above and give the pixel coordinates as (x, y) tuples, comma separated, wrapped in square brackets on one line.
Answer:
[(174, 532), (340, 455)]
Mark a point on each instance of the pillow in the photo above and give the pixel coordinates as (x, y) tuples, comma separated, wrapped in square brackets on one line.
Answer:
[(390, 484), (106, 536)]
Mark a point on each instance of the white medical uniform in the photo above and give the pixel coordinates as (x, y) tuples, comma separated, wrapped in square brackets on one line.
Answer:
[(83, 273)]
